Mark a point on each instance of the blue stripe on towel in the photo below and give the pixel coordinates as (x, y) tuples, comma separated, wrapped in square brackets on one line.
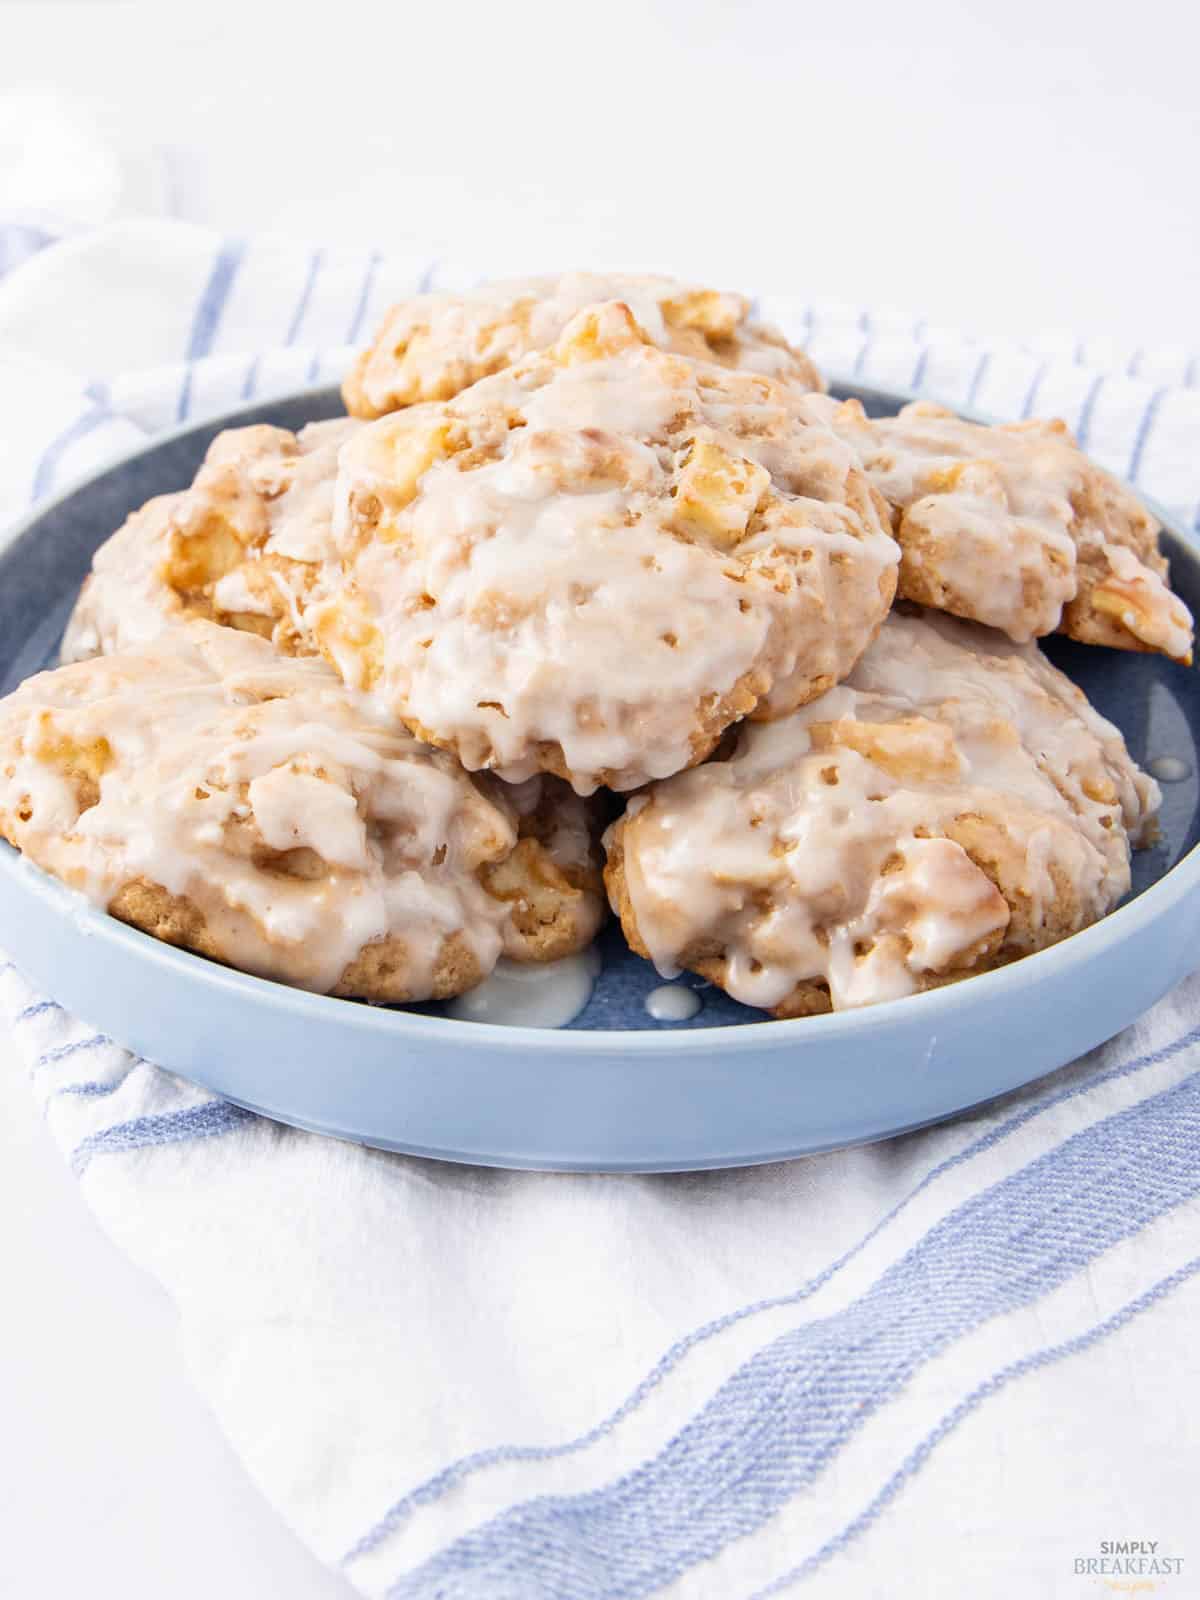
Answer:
[(779, 1421), (209, 310), (91, 1088), (917, 1458), (168, 1127), (980, 373), (1143, 433), (364, 299), (1084, 426), (314, 266), (48, 463), (60, 1052), (441, 1483), (1031, 393), (211, 306), (38, 1008)]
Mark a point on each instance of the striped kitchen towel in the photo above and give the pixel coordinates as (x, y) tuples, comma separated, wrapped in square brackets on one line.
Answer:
[(961, 1362)]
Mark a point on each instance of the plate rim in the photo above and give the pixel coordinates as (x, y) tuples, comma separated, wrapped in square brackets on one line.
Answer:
[(1077, 949)]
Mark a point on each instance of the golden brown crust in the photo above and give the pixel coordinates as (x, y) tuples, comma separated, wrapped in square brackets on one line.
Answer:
[(173, 918), (242, 546), (434, 346), (714, 716), (595, 561), (232, 802), (989, 845), (554, 912), (551, 881), (381, 972), (957, 806), (1012, 525)]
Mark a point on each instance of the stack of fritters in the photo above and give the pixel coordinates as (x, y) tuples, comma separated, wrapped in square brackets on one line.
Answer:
[(338, 712)]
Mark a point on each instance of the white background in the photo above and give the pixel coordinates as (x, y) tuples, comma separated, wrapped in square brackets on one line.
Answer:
[(1003, 167), (1007, 167)]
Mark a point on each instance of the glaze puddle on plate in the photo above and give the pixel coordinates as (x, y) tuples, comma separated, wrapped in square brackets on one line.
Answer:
[(529, 995), (1168, 769), (671, 1002)]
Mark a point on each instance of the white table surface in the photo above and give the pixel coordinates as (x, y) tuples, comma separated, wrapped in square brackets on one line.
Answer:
[(1012, 168)]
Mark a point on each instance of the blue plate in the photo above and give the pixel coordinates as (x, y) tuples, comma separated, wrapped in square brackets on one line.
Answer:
[(614, 1091)]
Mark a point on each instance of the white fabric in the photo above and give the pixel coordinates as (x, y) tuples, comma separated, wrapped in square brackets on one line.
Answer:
[(942, 1365)]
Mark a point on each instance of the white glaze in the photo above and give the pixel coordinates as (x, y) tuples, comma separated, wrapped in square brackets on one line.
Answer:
[(1147, 609), (519, 995), (1169, 769), (819, 852), (586, 552), (1010, 524), (671, 1002), (242, 543), (250, 786), (435, 345), (233, 594)]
